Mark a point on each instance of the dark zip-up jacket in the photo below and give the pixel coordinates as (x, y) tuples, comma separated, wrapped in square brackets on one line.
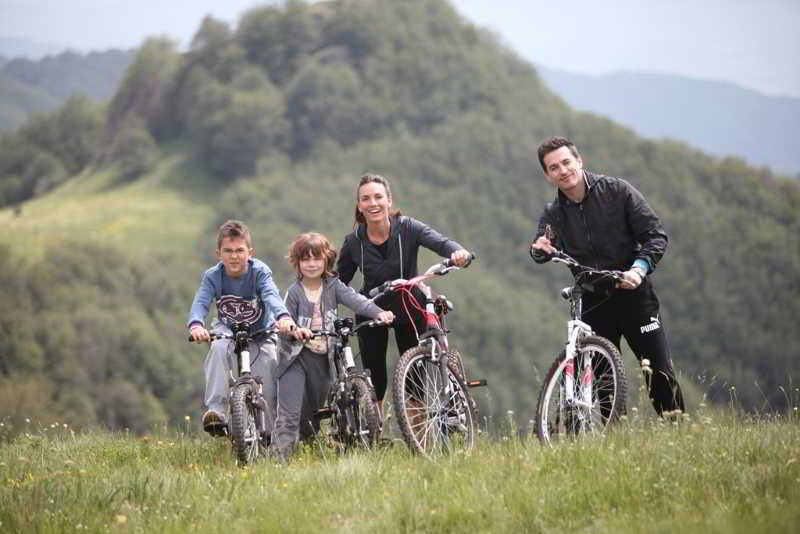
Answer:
[(407, 234), (609, 229)]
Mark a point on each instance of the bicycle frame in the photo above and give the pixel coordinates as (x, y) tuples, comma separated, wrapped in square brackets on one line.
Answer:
[(442, 421), (241, 336), (343, 374), (577, 330)]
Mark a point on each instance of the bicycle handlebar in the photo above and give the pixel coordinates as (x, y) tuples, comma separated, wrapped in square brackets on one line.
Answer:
[(584, 271), (437, 269), (252, 335), (353, 329)]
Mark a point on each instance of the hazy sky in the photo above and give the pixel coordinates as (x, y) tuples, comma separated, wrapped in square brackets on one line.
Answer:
[(748, 42)]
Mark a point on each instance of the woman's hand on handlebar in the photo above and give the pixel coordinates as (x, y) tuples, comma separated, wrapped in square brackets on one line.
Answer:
[(199, 334), (385, 317), (461, 257)]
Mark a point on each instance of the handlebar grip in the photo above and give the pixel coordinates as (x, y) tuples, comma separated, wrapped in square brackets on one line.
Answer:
[(375, 291)]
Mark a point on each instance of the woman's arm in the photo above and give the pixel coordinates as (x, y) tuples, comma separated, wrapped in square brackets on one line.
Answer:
[(345, 266)]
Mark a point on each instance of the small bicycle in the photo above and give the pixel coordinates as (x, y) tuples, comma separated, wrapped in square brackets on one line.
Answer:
[(585, 389), (430, 390), (352, 404), (248, 408)]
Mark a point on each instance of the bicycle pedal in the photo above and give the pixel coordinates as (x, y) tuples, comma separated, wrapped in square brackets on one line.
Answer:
[(477, 383)]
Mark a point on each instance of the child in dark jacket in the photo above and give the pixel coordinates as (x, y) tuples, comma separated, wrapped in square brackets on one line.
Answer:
[(303, 370)]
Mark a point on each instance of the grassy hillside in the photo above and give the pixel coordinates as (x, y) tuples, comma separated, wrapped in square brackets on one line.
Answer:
[(715, 472)]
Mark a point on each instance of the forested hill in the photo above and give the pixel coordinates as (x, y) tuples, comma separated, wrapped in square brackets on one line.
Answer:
[(111, 212)]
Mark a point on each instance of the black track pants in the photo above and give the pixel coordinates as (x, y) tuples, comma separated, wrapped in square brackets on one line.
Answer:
[(635, 315)]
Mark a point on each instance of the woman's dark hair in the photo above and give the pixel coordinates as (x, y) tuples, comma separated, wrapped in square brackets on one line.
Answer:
[(369, 179)]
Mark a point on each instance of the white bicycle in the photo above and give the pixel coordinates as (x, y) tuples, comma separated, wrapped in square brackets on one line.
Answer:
[(585, 389)]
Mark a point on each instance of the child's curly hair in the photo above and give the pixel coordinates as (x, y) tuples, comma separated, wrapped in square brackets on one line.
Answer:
[(312, 244)]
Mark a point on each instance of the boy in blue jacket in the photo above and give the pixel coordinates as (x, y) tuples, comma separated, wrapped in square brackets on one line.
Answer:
[(243, 290)]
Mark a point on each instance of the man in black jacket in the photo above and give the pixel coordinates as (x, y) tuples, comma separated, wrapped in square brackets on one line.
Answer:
[(605, 223)]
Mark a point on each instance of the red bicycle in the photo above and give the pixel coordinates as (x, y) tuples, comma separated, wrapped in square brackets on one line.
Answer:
[(430, 390)]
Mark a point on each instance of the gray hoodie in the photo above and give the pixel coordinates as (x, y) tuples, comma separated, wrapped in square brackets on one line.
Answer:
[(334, 292)]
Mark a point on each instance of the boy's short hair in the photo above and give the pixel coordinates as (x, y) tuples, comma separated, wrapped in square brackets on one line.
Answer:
[(312, 244), (233, 229)]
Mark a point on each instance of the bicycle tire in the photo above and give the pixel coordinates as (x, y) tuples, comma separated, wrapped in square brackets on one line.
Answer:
[(244, 432), (362, 413), (555, 420), (416, 396)]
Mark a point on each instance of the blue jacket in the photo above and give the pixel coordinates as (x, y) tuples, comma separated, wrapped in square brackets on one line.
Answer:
[(251, 298)]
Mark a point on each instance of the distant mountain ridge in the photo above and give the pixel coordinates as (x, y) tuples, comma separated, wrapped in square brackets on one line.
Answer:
[(718, 117), (28, 86)]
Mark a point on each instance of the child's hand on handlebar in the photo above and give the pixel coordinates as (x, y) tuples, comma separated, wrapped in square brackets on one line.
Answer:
[(385, 317), (285, 325), (302, 333), (199, 334)]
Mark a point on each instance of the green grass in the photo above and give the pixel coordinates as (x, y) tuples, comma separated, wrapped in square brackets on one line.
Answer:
[(710, 473), (165, 211)]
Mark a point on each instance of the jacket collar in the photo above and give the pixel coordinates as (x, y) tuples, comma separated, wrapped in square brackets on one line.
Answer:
[(394, 220), (589, 178)]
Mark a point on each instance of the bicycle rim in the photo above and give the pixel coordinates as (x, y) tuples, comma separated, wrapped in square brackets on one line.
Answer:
[(434, 415), (563, 414)]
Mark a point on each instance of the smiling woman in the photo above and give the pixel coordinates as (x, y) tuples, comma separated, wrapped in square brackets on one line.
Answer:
[(384, 245)]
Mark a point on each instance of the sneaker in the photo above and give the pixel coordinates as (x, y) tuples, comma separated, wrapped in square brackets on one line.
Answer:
[(214, 423)]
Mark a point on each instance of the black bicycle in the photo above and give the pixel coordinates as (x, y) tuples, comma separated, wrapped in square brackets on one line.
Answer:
[(586, 387), (248, 408), (352, 404)]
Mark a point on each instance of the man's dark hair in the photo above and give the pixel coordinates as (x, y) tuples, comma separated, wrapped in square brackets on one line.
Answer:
[(233, 228), (554, 143)]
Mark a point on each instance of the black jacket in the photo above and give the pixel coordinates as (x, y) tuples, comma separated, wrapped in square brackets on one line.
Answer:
[(613, 226), (408, 234)]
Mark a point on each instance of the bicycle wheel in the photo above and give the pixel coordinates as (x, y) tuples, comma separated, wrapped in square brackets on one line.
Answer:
[(435, 416), (560, 413), (244, 432), (363, 417)]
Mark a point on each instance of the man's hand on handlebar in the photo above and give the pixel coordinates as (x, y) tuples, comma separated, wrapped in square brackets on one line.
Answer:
[(544, 245), (199, 334), (631, 279)]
